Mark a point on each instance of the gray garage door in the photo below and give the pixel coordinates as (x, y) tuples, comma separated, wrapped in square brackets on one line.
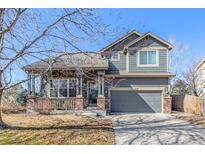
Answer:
[(133, 101)]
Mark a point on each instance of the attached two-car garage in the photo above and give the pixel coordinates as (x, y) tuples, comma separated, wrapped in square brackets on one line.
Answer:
[(136, 101)]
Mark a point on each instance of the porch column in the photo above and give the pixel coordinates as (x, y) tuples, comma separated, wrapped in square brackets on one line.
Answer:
[(101, 83), (79, 101), (81, 85), (79, 89), (29, 83), (33, 85), (31, 99), (42, 86), (101, 100)]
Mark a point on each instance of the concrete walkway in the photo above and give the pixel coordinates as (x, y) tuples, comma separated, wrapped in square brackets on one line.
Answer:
[(155, 129)]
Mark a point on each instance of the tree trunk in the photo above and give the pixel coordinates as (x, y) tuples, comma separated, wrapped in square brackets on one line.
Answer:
[(1, 91), (2, 124)]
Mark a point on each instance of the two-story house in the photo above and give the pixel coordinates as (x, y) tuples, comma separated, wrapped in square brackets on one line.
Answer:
[(200, 77), (131, 74)]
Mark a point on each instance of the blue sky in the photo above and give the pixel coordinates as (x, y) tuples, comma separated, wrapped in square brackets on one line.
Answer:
[(187, 26)]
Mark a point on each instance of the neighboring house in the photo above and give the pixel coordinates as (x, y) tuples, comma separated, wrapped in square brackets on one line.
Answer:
[(131, 74), (200, 74)]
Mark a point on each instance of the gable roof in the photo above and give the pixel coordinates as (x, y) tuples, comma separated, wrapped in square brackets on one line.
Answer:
[(71, 61), (134, 32), (153, 36)]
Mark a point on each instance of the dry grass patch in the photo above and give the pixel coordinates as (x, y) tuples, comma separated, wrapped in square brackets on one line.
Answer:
[(56, 129), (193, 119)]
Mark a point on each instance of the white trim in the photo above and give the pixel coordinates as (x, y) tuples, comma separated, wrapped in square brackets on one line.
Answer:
[(68, 85), (144, 74), (162, 101), (147, 65), (58, 96), (48, 89), (153, 48), (143, 88), (127, 61), (138, 89), (59, 88), (118, 40), (118, 56), (167, 61), (152, 35)]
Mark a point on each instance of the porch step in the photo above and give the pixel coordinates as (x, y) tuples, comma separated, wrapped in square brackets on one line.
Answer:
[(92, 105), (93, 113), (91, 108), (90, 114)]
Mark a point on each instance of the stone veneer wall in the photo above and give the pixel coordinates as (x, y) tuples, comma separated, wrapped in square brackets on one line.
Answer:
[(46, 105), (80, 103), (167, 105), (103, 103)]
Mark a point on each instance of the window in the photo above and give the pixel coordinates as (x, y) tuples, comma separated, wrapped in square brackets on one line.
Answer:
[(72, 88), (148, 58), (115, 56), (53, 88), (63, 88)]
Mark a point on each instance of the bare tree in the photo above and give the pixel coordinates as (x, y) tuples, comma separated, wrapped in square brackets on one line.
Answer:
[(30, 34), (179, 56), (194, 82)]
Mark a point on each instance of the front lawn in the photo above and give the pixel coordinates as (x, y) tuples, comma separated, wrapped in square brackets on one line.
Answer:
[(193, 119), (56, 129)]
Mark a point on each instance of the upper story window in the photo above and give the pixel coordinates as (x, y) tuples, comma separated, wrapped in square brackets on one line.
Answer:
[(115, 56), (148, 58)]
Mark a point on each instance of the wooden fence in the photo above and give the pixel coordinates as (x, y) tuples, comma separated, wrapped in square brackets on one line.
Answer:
[(188, 104)]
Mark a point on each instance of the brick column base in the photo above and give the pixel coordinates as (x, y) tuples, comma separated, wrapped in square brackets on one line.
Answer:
[(79, 103), (101, 103), (38, 105), (44, 106), (167, 105), (30, 103)]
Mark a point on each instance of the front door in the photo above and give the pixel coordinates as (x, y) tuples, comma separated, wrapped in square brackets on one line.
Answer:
[(92, 92)]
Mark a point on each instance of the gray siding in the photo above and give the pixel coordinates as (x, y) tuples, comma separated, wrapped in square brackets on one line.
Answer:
[(148, 42), (138, 82), (120, 45), (162, 63), (141, 82), (116, 66)]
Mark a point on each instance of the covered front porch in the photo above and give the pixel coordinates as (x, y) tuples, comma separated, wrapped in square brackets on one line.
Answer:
[(75, 91), (68, 86)]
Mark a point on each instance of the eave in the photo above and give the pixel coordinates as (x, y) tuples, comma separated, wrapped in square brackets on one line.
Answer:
[(152, 35), (148, 75)]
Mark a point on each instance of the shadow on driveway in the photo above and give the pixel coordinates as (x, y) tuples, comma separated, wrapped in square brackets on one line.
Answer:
[(155, 129)]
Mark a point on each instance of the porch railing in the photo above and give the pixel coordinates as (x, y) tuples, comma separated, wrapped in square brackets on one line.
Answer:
[(68, 104)]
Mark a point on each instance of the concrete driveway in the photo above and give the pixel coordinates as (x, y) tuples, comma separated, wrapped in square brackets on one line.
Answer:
[(155, 129)]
